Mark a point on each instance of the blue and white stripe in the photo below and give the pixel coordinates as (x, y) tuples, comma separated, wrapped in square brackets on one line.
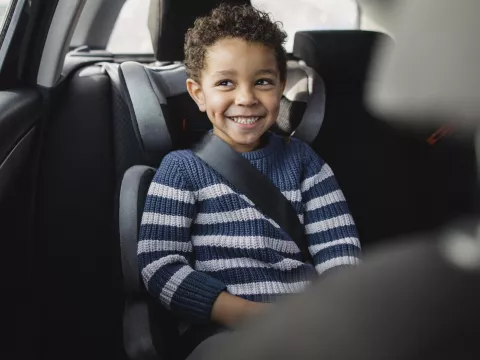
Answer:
[(199, 236)]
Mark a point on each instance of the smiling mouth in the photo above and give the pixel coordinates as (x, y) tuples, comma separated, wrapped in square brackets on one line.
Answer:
[(245, 120)]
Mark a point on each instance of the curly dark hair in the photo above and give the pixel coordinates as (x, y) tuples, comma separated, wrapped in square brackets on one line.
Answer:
[(233, 21)]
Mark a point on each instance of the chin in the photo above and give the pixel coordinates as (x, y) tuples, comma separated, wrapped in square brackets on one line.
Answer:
[(247, 140)]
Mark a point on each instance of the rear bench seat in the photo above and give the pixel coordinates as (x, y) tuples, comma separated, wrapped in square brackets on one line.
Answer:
[(76, 241)]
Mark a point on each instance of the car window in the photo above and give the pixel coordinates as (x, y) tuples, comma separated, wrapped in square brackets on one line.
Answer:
[(308, 15), (130, 34)]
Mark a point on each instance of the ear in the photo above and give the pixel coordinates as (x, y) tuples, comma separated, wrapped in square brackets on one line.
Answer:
[(196, 92)]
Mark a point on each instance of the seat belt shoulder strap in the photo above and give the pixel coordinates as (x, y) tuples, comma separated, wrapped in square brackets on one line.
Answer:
[(253, 184)]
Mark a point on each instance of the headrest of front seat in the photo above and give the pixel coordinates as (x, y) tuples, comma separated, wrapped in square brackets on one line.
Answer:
[(340, 57), (169, 21)]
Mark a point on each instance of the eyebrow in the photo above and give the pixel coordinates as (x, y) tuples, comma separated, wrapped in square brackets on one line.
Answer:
[(225, 73), (259, 72), (267, 72)]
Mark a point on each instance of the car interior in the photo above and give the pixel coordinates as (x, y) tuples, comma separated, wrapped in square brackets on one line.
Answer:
[(82, 131)]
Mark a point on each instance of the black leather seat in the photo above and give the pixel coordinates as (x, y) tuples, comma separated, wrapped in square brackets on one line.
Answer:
[(76, 242)]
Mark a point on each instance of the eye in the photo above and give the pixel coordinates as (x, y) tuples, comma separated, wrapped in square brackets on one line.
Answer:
[(264, 82), (224, 83)]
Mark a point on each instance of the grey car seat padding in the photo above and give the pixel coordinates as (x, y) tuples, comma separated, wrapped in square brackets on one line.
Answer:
[(148, 329), (305, 85), (133, 193), (145, 102)]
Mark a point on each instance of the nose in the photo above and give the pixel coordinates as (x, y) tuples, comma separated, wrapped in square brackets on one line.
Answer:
[(245, 96)]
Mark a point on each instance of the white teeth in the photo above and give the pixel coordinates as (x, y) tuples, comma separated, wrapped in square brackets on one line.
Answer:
[(245, 120)]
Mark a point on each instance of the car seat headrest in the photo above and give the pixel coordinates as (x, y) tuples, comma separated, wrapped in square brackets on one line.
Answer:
[(165, 117), (340, 57), (302, 107), (169, 21)]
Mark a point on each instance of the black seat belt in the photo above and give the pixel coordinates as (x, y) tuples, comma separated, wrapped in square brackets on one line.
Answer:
[(254, 185)]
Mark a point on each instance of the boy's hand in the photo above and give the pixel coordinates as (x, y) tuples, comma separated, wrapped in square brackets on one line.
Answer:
[(229, 310)]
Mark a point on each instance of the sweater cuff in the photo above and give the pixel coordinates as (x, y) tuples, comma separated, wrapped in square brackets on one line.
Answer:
[(195, 298)]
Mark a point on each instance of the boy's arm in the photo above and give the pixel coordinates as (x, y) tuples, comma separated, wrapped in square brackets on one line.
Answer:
[(165, 254), (330, 230)]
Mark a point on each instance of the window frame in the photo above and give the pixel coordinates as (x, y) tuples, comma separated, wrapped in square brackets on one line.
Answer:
[(4, 22), (8, 26), (20, 53)]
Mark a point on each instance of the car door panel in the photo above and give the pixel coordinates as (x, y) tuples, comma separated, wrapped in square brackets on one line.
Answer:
[(19, 116), (20, 119), (19, 111), (11, 167)]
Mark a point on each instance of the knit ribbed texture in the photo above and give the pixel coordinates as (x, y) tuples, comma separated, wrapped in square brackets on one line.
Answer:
[(199, 236)]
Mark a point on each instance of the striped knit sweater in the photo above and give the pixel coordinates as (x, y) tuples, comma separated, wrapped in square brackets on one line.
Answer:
[(199, 236)]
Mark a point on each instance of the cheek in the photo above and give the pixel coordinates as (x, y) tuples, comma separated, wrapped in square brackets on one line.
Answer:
[(217, 104)]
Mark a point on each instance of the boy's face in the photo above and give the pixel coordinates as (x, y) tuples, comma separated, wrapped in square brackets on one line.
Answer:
[(240, 91)]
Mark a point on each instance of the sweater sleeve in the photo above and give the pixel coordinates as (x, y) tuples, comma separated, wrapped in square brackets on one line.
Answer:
[(165, 251), (330, 230)]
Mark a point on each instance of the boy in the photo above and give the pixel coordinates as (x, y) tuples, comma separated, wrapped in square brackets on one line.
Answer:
[(205, 251)]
